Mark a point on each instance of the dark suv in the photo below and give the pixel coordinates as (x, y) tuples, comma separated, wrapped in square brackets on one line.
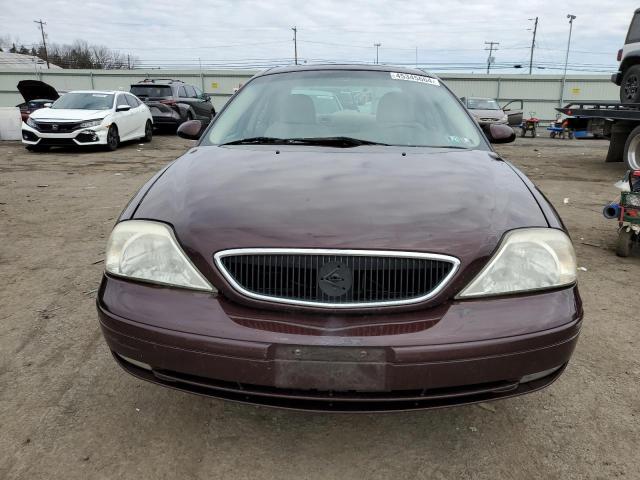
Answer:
[(173, 102), (628, 77)]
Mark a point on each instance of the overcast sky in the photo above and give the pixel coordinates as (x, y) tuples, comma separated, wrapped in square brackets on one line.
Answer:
[(447, 34)]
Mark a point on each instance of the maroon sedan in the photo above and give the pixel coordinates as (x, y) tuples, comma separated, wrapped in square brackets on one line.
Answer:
[(342, 238)]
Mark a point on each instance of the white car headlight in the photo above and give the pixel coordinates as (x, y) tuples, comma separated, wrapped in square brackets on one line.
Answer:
[(528, 259), (148, 251), (91, 123), (31, 122), (504, 118)]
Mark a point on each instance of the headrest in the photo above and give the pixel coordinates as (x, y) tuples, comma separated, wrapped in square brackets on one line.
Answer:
[(395, 107), (297, 108)]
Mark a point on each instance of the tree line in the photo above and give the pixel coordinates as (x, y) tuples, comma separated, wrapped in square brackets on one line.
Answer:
[(79, 54)]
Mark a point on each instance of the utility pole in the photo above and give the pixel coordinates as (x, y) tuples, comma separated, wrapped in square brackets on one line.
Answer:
[(295, 44), (533, 44), (492, 46), (566, 59), (44, 41), (377, 45)]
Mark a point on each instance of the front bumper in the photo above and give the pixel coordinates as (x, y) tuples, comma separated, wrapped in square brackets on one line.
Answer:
[(617, 78), (459, 353), (84, 136)]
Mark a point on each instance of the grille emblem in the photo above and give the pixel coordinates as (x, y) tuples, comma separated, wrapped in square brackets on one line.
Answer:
[(54, 127), (334, 279)]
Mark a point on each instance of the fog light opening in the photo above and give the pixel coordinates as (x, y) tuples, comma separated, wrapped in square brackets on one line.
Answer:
[(137, 363), (537, 376)]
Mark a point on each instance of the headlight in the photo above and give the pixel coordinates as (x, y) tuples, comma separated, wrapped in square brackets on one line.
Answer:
[(504, 119), (528, 259), (148, 251), (91, 123), (31, 122)]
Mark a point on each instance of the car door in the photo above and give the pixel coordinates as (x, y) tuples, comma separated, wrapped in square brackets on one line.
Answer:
[(194, 101), (514, 110), (123, 118), (138, 117), (205, 104)]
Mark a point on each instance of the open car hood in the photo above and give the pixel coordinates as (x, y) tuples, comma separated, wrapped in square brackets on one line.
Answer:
[(35, 89)]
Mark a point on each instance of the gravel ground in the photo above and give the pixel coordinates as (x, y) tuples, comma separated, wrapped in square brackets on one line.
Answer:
[(68, 412)]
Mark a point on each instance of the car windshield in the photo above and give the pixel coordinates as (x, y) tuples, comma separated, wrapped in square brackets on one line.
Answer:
[(151, 91), (482, 104), (84, 101), (345, 108)]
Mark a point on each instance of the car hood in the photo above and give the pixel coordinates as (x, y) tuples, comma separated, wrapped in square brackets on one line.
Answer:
[(450, 202), (35, 89), (68, 114), (495, 114)]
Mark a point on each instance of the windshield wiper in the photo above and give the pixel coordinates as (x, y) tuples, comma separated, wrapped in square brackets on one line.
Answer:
[(344, 142)]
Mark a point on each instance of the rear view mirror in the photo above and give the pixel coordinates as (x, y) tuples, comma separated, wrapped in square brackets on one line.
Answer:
[(191, 129), (499, 133)]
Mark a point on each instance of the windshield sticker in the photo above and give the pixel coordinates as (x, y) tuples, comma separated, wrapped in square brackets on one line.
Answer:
[(409, 77)]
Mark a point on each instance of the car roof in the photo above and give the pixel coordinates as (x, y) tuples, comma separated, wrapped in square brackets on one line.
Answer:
[(346, 66), (104, 92)]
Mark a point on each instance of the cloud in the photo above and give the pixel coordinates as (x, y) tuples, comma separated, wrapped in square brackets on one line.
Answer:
[(247, 32)]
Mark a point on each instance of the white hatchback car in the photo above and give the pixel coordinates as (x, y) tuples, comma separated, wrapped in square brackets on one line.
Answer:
[(88, 118)]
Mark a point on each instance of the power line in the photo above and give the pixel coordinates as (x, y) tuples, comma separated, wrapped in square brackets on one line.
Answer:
[(533, 44), (490, 59), (44, 41), (295, 44)]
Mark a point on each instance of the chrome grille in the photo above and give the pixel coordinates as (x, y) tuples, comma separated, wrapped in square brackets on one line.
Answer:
[(336, 278)]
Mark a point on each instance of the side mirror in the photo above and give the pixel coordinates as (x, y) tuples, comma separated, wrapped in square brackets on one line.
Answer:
[(123, 108), (191, 130), (499, 133), (47, 105), (206, 97)]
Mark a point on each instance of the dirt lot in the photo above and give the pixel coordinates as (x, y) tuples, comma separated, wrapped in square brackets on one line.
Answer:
[(67, 411)]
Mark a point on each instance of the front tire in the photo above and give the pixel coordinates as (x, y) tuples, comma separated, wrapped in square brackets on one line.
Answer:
[(632, 150), (625, 242), (113, 139), (630, 85), (148, 132)]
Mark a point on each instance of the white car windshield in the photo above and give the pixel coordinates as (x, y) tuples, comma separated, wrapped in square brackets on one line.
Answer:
[(84, 101), (367, 106), (482, 104)]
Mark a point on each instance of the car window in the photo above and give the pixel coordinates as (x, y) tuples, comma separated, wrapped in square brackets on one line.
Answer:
[(151, 91), (198, 92), (388, 107), (634, 30), (131, 100), (191, 93), (182, 93), (122, 100), (85, 101)]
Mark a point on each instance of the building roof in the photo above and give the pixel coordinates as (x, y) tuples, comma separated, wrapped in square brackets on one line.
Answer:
[(18, 61)]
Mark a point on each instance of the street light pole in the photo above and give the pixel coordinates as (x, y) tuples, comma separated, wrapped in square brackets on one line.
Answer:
[(566, 59), (295, 44), (377, 45)]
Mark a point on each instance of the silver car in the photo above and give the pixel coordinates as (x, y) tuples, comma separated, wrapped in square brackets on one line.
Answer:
[(487, 111)]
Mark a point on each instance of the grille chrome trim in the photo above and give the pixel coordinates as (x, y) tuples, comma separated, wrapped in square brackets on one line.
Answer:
[(218, 256)]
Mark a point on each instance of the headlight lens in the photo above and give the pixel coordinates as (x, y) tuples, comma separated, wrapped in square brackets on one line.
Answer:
[(31, 122), (528, 259), (505, 118), (148, 251), (91, 123)]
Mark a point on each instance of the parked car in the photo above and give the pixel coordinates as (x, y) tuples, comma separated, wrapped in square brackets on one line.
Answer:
[(628, 75), (173, 102), (391, 261), (487, 111), (36, 95), (88, 118)]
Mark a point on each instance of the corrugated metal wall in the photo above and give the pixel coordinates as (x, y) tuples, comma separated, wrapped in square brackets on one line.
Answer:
[(541, 93)]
